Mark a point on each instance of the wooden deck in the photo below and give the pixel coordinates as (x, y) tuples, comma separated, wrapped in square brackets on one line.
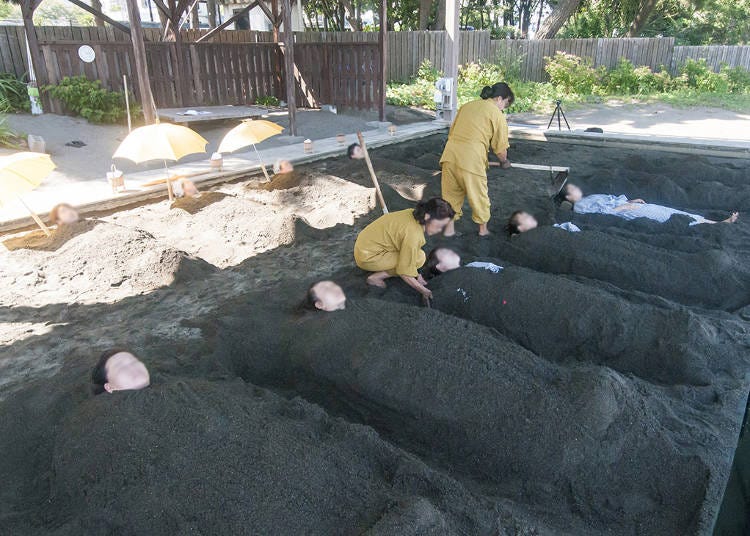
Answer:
[(209, 113)]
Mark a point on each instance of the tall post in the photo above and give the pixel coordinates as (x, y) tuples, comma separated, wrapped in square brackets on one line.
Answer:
[(36, 58), (291, 99), (383, 42), (452, 37), (141, 67)]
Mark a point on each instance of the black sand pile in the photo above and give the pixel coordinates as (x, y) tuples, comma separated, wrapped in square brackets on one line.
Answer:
[(559, 439)]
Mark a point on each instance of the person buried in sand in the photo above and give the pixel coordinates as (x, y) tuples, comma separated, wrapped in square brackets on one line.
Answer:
[(442, 260), (119, 370), (521, 221), (355, 152), (325, 296), (282, 167), (622, 207), (479, 126), (392, 245), (188, 188), (63, 214)]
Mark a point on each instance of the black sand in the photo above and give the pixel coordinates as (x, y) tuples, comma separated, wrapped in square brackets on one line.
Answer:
[(605, 396)]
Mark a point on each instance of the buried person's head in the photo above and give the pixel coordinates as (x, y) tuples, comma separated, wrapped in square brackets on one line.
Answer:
[(441, 260), (520, 222), (189, 189), (500, 93), (434, 214), (119, 370), (63, 214), (570, 193), (282, 166), (325, 296), (355, 152)]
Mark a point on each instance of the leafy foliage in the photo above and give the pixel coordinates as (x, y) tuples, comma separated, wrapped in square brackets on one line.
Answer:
[(9, 138), (268, 100), (13, 94), (90, 100)]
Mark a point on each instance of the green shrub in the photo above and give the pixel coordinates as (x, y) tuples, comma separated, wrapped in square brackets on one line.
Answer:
[(700, 76), (9, 138), (738, 79), (13, 94), (268, 100), (573, 74), (427, 72), (89, 99)]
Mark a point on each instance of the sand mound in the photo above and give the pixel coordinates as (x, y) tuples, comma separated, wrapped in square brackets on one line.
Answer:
[(217, 457), (95, 262), (713, 279), (457, 392), (565, 321)]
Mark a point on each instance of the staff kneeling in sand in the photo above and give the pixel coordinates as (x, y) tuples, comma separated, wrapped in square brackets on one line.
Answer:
[(325, 296), (63, 214), (392, 245), (119, 370), (628, 209)]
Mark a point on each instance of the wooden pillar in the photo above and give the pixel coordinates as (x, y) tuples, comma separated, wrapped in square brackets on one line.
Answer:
[(383, 56), (40, 67), (452, 37), (291, 91), (141, 67)]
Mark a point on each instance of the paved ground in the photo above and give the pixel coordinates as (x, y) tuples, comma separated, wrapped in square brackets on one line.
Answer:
[(651, 119)]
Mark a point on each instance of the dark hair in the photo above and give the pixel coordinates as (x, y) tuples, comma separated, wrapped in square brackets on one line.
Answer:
[(430, 267), (512, 226), (350, 150), (562, 195), (437, 207), (99, 374), (501, 89), (55, 209)]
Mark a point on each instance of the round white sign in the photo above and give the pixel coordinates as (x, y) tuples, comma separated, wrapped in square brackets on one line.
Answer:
[(86, 53)]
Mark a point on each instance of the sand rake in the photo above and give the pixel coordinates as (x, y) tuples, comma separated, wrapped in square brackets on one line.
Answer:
[(374, 177)]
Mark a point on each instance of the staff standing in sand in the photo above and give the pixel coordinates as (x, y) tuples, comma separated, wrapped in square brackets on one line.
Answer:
[(392, 245), (479, 126)]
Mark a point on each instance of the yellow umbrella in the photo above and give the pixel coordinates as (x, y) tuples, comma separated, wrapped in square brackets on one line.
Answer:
[(249, 132), (162, 141), (21, 173)]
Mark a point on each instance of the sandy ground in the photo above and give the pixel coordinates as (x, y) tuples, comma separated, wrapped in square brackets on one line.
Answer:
[(598, 385), (650, 119)]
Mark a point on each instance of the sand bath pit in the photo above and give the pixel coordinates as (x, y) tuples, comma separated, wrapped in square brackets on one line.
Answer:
[(606, 397)]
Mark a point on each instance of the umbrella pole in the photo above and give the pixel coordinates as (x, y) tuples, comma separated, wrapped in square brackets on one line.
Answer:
[(262, 165), (38, 221), (169, 183)]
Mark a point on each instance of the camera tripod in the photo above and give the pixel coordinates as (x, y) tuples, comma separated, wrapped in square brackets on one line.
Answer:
[(558, 112)]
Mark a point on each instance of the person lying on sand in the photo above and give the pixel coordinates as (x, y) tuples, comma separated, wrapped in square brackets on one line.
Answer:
[(355, 152), (325, 296), (187, 188), (392, 245), (521, 221), (119, 370), (622, 207), (282, 167), (63, 214), (441, 260)]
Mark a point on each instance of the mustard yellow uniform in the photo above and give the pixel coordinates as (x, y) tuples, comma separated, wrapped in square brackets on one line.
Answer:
[(392, 243), (479, 126)]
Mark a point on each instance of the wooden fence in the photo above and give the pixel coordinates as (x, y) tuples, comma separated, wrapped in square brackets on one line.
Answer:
[(407, 50)]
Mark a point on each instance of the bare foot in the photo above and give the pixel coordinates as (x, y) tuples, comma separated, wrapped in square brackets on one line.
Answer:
[(732, 218), (483, 230), (376, 280)]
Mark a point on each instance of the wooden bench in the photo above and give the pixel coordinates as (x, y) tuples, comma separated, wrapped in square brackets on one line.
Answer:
[(209, 113)]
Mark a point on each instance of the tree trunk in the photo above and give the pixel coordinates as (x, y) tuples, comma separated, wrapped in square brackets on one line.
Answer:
[(425, 8), (524, 9), (141, 68), (194, 19), (555, 20), (211, 4), (641, 18), (97, 4), (440, 22)]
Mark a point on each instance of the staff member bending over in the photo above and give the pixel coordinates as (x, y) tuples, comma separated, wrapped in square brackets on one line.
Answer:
[(479, 126), (392, 245)]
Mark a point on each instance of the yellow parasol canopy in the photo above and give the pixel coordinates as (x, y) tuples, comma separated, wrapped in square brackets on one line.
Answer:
[(248, 132), (162, 141), (21, 173)]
